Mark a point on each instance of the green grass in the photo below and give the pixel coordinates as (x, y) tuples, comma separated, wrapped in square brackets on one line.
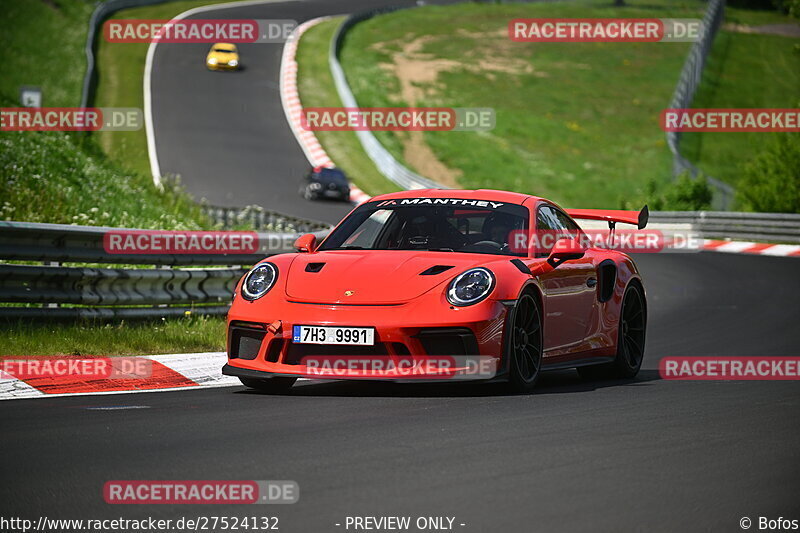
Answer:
[(196, 334), (580, 126), (67, 178), (43, 45), (120, 67), (576, 122), (756, 17), (743, 71), (317, 89), (64, 177)]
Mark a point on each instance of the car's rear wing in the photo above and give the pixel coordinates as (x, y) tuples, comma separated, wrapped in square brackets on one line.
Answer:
[(613, 216)]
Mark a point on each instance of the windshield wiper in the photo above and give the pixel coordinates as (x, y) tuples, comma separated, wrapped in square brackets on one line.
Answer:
[(441, 250), (349, 248)]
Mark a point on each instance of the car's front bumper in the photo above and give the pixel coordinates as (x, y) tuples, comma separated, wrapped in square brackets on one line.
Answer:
[(221, 66), (260, 344)]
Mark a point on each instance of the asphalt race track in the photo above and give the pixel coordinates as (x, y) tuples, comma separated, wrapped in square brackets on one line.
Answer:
[(640, 455), (225, 133), (648, 454)]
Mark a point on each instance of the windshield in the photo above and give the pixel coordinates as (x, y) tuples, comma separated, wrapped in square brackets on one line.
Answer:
[(330, 174), (224, 51), (438, 224)]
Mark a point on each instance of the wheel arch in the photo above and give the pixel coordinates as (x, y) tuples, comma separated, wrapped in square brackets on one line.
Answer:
[(529, 287)]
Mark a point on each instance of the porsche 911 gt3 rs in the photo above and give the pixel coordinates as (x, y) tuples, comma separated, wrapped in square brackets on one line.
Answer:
[(427, 274)]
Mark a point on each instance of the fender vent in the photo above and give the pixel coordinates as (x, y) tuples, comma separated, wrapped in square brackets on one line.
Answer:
[(607, 272), (434, 270), (314, 267)]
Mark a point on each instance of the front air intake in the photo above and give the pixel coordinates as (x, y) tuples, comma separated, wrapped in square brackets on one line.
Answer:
[(245, 340), (448, 341)]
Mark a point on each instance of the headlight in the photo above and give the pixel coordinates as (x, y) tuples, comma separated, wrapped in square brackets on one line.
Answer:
[(259, 281), (470, 287), (212, 61), (233, 62)]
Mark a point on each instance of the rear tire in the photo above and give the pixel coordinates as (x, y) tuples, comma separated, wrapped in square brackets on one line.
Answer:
[(524, 344), (273, 385), (630, 339)]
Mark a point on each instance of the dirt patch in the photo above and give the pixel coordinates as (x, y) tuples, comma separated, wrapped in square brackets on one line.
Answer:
[(418, 74), (785, 30), (419, 155)]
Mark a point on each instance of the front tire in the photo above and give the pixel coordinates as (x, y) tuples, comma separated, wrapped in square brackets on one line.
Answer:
[(271, 385), (630, 339), (524, 344)]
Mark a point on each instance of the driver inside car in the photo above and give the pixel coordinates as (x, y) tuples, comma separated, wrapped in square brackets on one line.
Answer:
[(497, 228)]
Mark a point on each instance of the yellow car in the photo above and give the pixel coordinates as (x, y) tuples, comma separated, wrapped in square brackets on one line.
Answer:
[(223, 56)]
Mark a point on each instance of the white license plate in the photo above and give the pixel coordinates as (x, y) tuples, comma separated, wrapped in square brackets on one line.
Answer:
[(333, 335)]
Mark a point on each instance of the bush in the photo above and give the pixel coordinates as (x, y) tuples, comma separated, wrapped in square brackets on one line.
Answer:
[(789, 7), (771, 181), (683, 194)]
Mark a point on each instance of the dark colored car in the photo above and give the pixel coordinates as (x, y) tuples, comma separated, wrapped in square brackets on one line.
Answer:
[(323, 182)]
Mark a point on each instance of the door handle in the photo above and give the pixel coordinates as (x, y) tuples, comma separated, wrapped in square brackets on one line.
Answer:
[(591, 282)]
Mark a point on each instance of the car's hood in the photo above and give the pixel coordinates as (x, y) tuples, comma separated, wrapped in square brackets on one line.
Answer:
[(372, 277)]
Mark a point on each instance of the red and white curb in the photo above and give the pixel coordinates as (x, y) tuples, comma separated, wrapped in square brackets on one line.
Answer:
[(290, 98), (169, 373), (753, 248)]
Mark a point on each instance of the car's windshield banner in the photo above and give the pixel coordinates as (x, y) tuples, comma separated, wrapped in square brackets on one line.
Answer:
[(464, 202)]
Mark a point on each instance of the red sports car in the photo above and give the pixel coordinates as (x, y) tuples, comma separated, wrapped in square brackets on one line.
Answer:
[(439, 285)]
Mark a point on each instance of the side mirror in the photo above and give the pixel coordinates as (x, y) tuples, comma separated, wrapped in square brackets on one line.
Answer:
[(306, 243), (564, 250)]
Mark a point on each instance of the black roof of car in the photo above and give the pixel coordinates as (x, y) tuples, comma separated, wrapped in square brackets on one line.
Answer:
[(331, 174)]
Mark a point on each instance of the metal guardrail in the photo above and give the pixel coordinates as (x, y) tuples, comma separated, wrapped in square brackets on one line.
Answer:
[(384, 161), (261, 219), (155, 292), (56, 243), (129, 293), (111, 286), (760, 227), (689, 81)]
